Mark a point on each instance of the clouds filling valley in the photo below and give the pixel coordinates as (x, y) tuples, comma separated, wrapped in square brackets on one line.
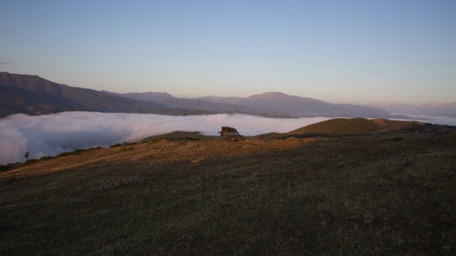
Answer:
[(49, 135)]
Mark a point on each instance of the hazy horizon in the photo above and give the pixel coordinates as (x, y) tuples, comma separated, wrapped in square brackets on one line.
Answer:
[(377, 104), (380, 51)]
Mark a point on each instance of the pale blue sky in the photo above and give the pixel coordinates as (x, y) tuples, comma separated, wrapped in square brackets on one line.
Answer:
[(351, 51)]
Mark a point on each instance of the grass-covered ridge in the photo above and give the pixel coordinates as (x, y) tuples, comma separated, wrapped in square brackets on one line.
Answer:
[(352, 127), (178, 136), (378, 194), (355, 126)]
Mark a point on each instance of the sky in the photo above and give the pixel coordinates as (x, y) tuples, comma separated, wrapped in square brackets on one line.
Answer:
[(352, 51)]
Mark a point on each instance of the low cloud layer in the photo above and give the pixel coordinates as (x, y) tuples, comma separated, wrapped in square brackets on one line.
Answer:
[(49, 135)]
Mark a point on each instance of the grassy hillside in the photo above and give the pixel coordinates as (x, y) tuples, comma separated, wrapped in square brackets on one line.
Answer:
[(179, 136), (385, 194), (355, 126), (352, 127)]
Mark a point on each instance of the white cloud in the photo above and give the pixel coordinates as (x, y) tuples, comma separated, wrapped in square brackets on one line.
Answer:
[(49, 135)]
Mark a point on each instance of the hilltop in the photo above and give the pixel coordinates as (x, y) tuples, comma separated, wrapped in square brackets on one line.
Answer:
[(330, 128), (353, 127), (357, 126), (370, 194)]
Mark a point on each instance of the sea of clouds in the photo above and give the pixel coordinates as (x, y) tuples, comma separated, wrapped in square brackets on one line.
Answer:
[(49, 135)]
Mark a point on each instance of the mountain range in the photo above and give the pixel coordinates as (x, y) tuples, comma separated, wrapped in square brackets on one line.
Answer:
[(277, 102), (34, 95), (444, 109)]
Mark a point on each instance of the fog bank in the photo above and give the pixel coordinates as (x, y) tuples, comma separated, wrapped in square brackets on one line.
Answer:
[(445, 120), (49, 135)]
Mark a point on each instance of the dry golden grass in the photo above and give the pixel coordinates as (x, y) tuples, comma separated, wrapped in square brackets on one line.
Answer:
[(387, 194)]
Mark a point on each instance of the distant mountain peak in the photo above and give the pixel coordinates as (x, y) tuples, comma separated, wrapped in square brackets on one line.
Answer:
[(272, 94), (281, 96), (158, 97)]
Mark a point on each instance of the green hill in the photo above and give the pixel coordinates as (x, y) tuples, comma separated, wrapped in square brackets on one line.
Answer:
[(355, 126), (388, 194), (178, 135)]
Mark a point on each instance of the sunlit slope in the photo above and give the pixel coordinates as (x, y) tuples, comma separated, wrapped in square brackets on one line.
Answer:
[(355, 126), (178, 136), (383, 194), (350, 127)]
